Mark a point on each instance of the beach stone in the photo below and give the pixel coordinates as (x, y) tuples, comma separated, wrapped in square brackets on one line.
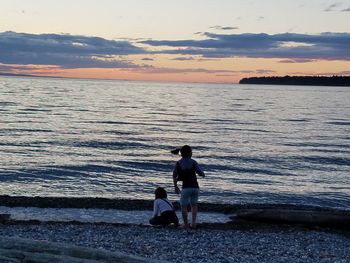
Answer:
[(4, 259), (26, 250), (4, 218)]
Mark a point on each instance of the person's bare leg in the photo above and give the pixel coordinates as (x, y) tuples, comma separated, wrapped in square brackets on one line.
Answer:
[(194, 209), (184, 215)]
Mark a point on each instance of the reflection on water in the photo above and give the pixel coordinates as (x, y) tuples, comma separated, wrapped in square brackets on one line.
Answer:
[(275, 144)]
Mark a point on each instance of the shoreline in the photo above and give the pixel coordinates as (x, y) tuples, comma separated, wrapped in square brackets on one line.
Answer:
[(67, 209), (141, 204)]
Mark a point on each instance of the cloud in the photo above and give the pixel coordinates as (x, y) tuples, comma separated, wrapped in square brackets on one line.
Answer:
[(346, 72), (10, 68), (166, 70), (331, 7), (297, 60), (71, 51), (193, 59), (346, 10), (336, 73), (225, 75), (324, 46), (28, 69), (184, 58), (264, 71), (224, 27), (66, 51)]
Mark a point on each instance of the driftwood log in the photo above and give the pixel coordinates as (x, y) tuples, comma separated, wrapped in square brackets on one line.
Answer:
[(294, 216)]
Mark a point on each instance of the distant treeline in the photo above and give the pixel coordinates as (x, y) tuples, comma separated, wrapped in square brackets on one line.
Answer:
[(299, 80)]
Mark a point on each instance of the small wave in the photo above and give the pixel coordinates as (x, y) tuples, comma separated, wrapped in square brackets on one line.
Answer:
[(327, 160), (249, 130), (235, 169), (41, 175), (107, 122), (340, 123), (220, 121), (339, 151), (106, 145), (5, 131), (36, 110), (297, 120), (249, 110), (144, 166), (237, 105), (256, 182), (8, 103), (316, 144), (242, 99)]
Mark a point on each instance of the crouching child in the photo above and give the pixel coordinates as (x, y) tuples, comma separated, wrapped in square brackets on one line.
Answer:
[(163, 211)]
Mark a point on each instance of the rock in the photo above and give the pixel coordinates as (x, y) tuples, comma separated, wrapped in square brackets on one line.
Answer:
[(293, 216), (26, 250), (4, 218), (4, 259)]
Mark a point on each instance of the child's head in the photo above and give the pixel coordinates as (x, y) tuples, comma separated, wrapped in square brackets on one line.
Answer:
[(186, 151), (160, 193)]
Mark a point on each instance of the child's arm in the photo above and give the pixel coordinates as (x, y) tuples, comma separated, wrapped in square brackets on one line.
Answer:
[(155, 208), (177, 189)]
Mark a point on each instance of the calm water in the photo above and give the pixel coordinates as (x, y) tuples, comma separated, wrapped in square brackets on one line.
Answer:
[(257, 144)]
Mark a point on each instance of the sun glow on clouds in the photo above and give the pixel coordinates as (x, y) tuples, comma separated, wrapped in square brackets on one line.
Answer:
[(292, 44), (211, 58)]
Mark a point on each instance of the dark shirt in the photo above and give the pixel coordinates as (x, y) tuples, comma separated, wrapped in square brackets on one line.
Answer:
[(185, 170)]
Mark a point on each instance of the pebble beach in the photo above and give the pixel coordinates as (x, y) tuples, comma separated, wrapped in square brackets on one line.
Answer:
[(209, 243), (106, 224)]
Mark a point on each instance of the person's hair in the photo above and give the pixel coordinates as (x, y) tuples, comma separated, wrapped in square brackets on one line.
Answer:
[(186, 151), (160, 193)]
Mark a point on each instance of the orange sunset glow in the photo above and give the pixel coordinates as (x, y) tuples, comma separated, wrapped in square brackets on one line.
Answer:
[(213, 45)]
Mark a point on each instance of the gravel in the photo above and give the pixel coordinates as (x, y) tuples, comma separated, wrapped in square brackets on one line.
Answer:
[(247, 244)]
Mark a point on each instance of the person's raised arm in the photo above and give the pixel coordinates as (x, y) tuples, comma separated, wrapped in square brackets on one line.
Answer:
[(198, 170), (177, 189)]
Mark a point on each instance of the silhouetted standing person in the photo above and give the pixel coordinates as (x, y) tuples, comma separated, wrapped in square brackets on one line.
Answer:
[(186, 170)]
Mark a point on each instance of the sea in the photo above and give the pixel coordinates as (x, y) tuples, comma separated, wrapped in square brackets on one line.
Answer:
[(257, 144)]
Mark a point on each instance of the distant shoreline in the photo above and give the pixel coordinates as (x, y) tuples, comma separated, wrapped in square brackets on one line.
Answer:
[(299, 80), (111, 79)]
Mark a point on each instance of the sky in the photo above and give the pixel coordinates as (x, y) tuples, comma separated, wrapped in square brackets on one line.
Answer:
[(219, 41)]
